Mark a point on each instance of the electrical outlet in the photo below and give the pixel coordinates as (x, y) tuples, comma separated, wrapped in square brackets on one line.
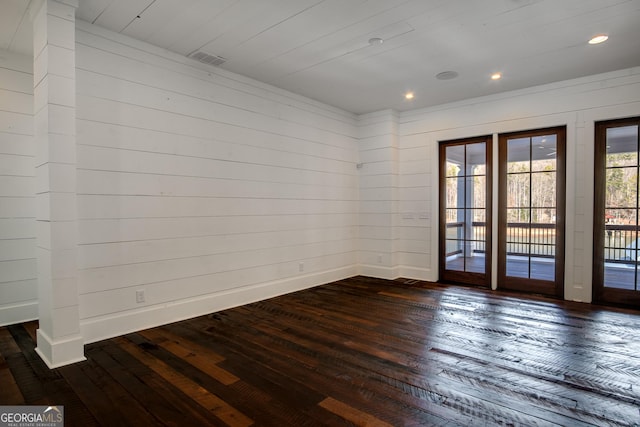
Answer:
[(379, 259), (301, 266), (140, 296)]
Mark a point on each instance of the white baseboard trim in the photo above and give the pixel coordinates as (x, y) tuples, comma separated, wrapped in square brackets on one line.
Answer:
[(391, 273), (378, 271), (109, 326), (59, 352), (18, 313), (417, 273)]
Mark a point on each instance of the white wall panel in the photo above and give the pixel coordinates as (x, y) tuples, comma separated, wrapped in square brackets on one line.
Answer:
[(132, 229), (11, 143), (131, 206), (141, 251), (117, 183), (18, 288), (134, 116), (16, 75), (140, 274), (18, 102), (194, 184), (309, 172)]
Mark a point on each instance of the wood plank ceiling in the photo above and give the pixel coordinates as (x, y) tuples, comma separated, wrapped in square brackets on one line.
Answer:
[(321, 49)]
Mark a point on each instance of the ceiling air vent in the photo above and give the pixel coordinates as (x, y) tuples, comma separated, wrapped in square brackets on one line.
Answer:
[(205, 58)]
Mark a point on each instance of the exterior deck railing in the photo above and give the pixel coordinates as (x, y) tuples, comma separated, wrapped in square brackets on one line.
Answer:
[(539, 240), (621, 243)]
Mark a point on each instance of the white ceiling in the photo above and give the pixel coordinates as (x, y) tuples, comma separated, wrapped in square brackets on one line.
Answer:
[(319, 48)]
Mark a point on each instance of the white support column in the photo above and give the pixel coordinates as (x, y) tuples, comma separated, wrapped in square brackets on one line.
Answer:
[(379, 202), (58, 339)]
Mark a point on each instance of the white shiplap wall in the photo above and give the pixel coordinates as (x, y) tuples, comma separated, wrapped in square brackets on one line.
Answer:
[(202, 188), (578, 104), (18, 287)]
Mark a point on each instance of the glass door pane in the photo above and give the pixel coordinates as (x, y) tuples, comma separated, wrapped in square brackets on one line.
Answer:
[(464, 195), (531, 198), (616, 212)]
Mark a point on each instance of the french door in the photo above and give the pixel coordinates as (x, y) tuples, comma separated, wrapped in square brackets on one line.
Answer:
[(465, 211), (615, 232), (531, 211)]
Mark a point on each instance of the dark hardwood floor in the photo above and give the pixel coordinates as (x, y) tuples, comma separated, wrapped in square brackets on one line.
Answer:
[(356, 352)]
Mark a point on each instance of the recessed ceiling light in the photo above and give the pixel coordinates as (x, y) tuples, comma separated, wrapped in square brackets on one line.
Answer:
[(409, 95), (375, 41), (496, 76), (600, 38), (446, 75)]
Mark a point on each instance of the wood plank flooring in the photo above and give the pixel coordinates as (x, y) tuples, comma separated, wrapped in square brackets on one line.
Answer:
[(360, 352)]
